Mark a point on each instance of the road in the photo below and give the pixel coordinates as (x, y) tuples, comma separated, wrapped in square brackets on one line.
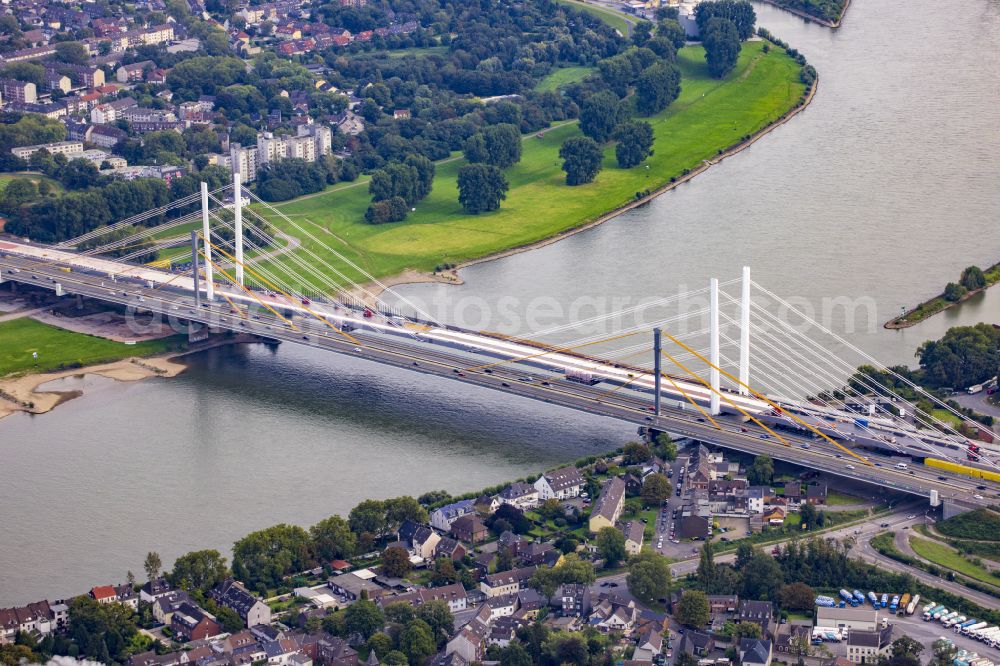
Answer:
[(450, 353)]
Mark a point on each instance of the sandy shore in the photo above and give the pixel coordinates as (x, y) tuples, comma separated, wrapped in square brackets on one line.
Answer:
[(411, 276), (21, 394)]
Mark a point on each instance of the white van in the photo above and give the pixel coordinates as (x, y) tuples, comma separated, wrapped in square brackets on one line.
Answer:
[(900, 465)]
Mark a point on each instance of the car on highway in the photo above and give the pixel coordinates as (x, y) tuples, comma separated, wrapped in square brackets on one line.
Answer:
[(851, 467), (978, 496)]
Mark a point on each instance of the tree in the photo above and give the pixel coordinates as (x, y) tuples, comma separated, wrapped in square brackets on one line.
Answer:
[(964, 356), (380, 643), (368, 517), (439, 618), (655, 489), (706, 567), (425, 174), (263, 558), (395, 658), (686, 659), (332, 538), (761, 471), (762, 578), (665, 447), (740, 12), (394, 209), (600, 114), (648, 576), (797, 596), (73, 53), (515, 655), (611, 546), (101, 631), (722, 46), (658, 86), (635, 143), (972, 278), (636, 453), (582, 159), (417, 641), (396, 562), (31, 72), (395, 180), (499, 145), (152, 565), (744, 555), (906, 646), (481, 188), (809, 516), (692, 610), (228, 618), (363, 617), (199, 570), (954, 291)]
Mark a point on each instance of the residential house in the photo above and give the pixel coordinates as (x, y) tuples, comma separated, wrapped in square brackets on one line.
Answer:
[(649, 645), (561, 484), (521, 495), (165, 606), (793, 494), (472, 639), (443, 517), (614, 613), (106, 136), (252, 610), (816, 493), (865, 647), (70, 149), (755, 652), (608, 506), (697, 643), (333, 651), (721, 604), (774, 516), (759, 612), (529, 604), (503, 631), (422, 539), (756, 496), (634, 532), (191, 623), (351, 585), (134, 72), (507, 582), (104, 594), (154, 589), (469, 528), (573, 599), (791, 637), (450, 548), (454, 595), (503, 605), (35, 617)]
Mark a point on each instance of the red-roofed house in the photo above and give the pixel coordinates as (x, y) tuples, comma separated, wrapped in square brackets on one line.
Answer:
[(104, 594)]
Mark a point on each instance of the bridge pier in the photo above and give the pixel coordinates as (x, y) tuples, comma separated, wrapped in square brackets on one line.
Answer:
[(194, 268), (713, 327), (79, 301)]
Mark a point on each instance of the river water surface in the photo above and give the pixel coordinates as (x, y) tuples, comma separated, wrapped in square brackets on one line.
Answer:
[(879, 192)]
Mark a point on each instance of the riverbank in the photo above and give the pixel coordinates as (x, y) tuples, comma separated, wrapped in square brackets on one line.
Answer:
[(811, 18), (712, 119), (24, 393), (939, 303)]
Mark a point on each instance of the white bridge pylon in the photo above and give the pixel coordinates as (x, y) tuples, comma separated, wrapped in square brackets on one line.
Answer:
[(713, 329)]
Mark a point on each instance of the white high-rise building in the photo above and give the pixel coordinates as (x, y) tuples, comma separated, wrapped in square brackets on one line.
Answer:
[(244, 160)]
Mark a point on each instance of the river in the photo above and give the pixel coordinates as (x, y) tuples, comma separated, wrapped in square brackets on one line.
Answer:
[(878, 193)]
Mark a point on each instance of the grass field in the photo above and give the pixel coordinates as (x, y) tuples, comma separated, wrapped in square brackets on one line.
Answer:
[(620, 22), (949, 558), (59, 349), (709, 116), (834, 498), (416, 51), (563, 77), (31, 175)]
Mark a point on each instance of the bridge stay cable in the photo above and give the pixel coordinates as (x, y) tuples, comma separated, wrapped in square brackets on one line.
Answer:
[(249, 292), (721, 394), (878, 364), (761, 396), (284, 293), (869, 382)]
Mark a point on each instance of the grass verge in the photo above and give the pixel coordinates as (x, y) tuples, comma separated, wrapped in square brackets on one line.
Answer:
[(709, 117), (949, 558), (59, 349)]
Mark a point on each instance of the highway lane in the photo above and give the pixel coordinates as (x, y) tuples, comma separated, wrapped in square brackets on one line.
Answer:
[(880, 433), (533, 383)]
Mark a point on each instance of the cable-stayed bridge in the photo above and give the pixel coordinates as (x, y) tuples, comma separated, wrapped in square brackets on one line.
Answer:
[(748, 379)]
